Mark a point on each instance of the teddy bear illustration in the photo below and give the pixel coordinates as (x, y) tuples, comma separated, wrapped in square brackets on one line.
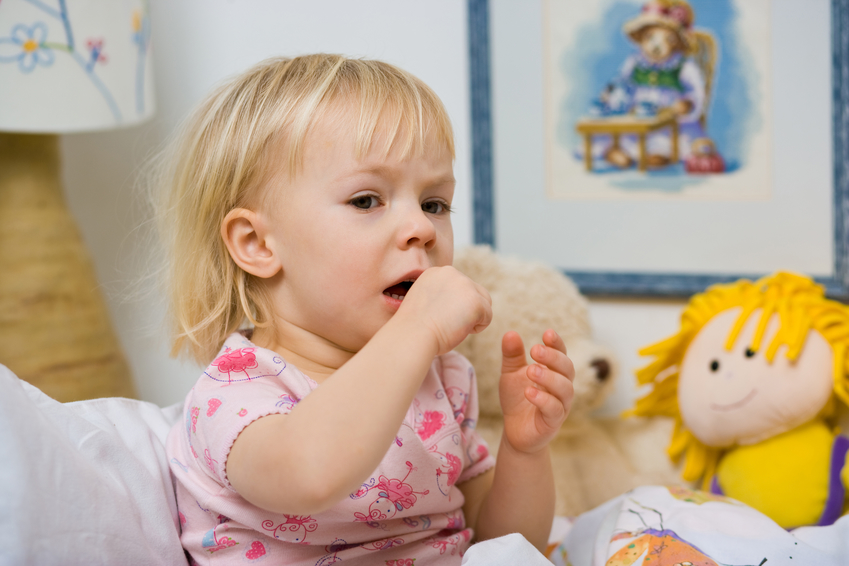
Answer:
[(659, 76)]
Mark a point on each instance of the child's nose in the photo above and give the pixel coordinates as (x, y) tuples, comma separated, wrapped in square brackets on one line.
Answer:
[(417, 230)]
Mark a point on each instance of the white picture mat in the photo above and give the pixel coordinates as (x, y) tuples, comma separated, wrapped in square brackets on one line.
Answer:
[(794, 230)]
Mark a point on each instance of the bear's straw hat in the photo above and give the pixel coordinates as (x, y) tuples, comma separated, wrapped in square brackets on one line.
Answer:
[(676, 15)]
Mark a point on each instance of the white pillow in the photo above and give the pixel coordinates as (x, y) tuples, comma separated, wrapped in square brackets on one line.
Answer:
[(85, 482)]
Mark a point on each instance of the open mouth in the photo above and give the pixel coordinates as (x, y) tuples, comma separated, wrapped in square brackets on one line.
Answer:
[(399, 290)]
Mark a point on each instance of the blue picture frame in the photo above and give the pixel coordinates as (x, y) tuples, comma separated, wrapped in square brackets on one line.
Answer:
[(653, 284)]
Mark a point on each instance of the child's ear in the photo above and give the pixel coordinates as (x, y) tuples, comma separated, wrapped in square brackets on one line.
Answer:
[(247, 239)]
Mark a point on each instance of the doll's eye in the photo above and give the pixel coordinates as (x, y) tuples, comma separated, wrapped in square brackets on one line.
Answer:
[(714, 365), (750, 353)]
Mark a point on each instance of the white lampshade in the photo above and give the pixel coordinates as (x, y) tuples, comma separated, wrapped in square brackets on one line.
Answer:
[(74, 65)]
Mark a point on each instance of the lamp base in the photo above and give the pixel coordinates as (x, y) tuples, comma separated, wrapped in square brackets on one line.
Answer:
[(55, 330)]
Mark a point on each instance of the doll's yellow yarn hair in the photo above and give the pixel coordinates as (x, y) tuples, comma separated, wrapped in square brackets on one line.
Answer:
[(801, 306)]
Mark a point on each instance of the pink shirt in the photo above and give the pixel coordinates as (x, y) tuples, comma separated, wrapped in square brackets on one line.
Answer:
[(408, 509)]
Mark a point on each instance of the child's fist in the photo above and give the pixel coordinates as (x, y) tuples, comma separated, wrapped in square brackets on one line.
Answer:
[(535, 398), (449, 304)]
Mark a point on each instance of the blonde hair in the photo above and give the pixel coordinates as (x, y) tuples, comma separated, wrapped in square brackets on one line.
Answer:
[(217, 162), (801, 306)]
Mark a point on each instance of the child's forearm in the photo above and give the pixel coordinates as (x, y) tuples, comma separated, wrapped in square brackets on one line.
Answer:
[(308, 460), (521, 499)]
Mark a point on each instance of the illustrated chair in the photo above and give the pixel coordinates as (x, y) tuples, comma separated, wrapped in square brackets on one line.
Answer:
[(705, 56)]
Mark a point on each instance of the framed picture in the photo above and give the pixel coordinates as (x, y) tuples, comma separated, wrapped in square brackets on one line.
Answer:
[(655, 147)]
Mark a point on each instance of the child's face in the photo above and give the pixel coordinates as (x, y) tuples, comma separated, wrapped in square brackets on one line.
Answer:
[(658, 43), (347, 230), (738, 397)]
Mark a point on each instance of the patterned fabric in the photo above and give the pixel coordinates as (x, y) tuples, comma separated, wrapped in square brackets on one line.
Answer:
[(669, 526), (408, 509)]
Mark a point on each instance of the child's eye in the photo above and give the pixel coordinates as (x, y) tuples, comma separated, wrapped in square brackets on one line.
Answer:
[(364, 202), (750, 353), (435, 207), (714, 365)]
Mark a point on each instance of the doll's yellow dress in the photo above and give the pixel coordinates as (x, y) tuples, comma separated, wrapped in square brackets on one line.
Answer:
[(794, 477)]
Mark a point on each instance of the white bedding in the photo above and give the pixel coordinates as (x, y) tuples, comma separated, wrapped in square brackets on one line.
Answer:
[(84, 483), (658, 526), (88, 483)]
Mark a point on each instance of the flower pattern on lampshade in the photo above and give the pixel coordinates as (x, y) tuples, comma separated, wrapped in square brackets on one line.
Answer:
[(74, 65), (25, 46)]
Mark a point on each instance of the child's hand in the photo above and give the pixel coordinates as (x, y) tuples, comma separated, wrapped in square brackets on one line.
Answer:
[(535, 398), (449, 304)]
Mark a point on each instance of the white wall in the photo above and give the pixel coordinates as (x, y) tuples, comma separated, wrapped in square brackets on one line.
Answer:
[(197, 43)]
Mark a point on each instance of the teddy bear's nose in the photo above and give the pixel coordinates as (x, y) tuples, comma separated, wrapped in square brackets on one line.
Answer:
[(602, 368)]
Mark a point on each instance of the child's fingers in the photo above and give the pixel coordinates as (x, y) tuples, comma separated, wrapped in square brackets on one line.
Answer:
[(486, 316), (555, 359), (512, 352), (552, 382), (552, 410), (553, 339)]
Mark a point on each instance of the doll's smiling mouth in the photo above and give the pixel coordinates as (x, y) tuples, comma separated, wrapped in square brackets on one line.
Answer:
[(736, 404)]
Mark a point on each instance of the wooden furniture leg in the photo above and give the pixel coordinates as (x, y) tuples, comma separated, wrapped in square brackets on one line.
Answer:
[(674, 139)]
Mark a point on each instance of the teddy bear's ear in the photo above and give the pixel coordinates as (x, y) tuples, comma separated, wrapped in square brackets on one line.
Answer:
[(596, 373)]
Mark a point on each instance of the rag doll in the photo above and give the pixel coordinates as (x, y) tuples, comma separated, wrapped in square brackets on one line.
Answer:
[(753, 380)]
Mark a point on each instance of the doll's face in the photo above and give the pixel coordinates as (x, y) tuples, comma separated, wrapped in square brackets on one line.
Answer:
[(657, 42), (737, 397)]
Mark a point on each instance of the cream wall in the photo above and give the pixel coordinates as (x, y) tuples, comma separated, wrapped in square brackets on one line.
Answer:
[(197, 44)]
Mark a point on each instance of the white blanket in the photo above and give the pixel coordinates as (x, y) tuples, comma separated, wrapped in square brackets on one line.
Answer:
[(84, 483)]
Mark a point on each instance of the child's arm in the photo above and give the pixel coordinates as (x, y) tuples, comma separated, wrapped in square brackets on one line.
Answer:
[(306, 461), (519, 495)]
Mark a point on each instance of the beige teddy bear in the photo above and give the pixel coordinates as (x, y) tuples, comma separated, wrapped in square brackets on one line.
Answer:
[(593, 459)]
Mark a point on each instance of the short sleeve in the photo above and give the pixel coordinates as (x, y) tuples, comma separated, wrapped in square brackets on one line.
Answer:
[(242, 384), (460, 382)]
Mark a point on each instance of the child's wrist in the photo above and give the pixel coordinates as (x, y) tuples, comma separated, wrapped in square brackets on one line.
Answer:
[(413, 330), (541, 453)]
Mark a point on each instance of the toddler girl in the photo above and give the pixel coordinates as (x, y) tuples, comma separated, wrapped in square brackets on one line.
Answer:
[(311, 198)]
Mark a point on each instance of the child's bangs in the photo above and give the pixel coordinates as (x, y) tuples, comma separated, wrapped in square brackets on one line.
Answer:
[(401, 116), (386, 105)]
